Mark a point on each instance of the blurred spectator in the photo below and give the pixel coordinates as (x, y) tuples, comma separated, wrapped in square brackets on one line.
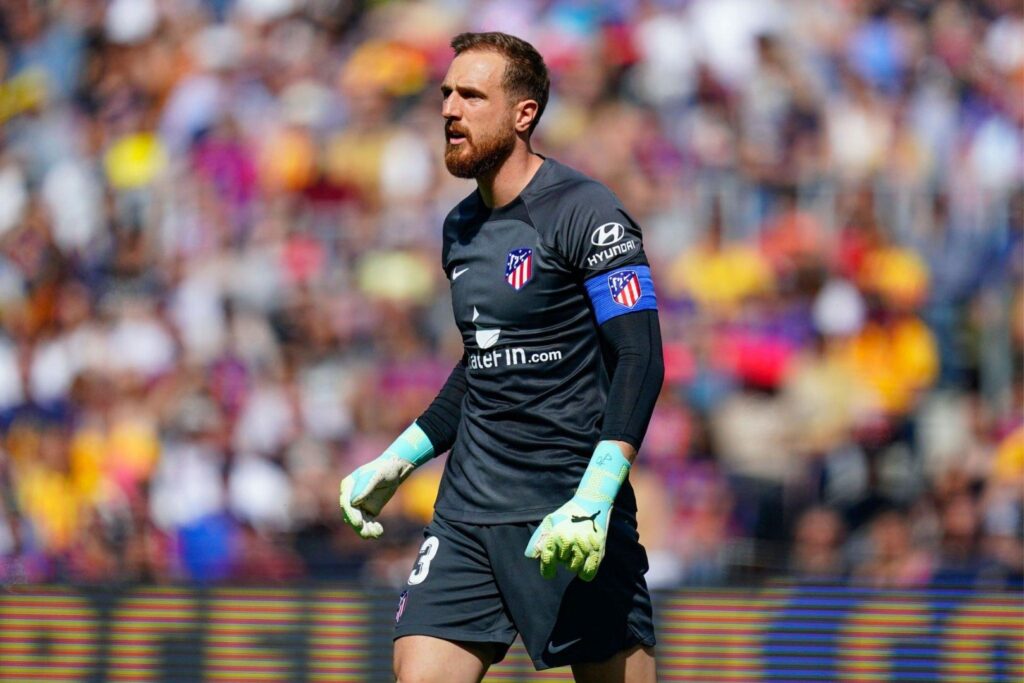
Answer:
[(817, 545), (719, 275), (893, 558)]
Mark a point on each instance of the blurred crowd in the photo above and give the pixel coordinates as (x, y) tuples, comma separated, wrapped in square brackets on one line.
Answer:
[(220, 282)]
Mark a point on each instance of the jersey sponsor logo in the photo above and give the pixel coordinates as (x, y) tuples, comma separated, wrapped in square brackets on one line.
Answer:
[(625, 288), (485, 338), (458, 272), (607, 234), (611, 252), (502, 358), (519, 267)]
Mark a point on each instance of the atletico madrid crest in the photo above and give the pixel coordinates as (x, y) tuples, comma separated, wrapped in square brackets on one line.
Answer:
[(625, 287), (519, 267)]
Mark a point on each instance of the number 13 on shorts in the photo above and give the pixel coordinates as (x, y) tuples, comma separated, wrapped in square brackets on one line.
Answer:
[(422, 567)]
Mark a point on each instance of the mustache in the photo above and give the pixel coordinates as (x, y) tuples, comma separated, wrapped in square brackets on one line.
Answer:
[(450, 131)]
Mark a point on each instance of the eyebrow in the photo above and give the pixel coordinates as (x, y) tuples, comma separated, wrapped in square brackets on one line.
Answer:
[(462, 90)]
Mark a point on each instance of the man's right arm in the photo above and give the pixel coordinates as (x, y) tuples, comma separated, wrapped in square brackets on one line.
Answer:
[(440, 421), (365, 491)]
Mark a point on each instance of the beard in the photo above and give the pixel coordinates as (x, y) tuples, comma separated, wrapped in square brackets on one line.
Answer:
[(476, 158)]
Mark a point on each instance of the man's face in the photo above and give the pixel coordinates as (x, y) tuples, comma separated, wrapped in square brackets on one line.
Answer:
[(478, 115)]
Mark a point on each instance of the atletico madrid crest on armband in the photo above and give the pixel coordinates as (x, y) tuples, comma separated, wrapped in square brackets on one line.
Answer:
[(519, 267), (625, 287)]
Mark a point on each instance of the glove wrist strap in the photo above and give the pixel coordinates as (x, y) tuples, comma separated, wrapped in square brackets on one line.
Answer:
[(412, 445), (607, 470)]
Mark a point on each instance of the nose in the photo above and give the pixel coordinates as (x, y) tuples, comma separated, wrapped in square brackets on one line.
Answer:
[(450, 107)]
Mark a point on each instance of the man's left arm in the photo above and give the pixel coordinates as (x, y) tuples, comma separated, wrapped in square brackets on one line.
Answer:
[(576, 533), (632, 345), (623, 299)]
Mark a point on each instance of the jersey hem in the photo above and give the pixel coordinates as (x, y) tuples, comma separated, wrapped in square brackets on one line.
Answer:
[(485, 517)]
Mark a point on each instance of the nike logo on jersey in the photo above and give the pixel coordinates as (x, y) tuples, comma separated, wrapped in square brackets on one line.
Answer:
[(555, 649), (458, 272), (591, 519)]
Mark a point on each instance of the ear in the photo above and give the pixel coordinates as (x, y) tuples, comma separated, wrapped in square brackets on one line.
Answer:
[(526, 113)]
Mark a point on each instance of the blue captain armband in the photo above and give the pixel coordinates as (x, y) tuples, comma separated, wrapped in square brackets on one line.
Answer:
[(623, 290)]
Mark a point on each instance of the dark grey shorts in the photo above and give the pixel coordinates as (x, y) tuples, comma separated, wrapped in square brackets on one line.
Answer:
[(472, 583)]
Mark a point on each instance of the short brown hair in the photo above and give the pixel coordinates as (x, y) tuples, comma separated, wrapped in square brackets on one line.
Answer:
[(526, 75)]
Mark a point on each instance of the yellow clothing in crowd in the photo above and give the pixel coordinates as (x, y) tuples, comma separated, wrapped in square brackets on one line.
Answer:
[(1009, 459), (54, 498), (898, 275), (52, 502), (896, 360), (720, 279)]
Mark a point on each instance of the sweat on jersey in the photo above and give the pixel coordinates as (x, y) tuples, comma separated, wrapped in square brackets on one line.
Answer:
[(531, 282)]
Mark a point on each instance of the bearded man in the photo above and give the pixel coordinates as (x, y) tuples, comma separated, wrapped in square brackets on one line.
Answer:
[(543, 414)]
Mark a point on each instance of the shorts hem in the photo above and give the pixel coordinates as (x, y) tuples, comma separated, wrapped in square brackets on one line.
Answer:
[(457, 636), (636, 639), (647, 640)]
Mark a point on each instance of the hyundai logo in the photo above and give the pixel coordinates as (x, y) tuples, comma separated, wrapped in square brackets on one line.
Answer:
[(607, 234)]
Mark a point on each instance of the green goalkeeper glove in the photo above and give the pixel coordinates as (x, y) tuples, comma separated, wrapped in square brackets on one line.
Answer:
[(575, 533), (370, 487)]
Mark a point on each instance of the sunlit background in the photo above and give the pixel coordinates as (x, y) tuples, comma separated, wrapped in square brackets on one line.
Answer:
[(220, 281)]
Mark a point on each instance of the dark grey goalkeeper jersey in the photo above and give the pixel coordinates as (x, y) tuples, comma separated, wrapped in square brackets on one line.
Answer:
[(531, 283)]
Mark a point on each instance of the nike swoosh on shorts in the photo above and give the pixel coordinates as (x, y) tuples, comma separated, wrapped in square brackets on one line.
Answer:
[(555, 649)]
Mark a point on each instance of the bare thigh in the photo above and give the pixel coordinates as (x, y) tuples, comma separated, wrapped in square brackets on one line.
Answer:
[(423, 659), (635, 665)]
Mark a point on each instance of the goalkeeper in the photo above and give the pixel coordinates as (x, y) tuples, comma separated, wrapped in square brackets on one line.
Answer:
[(534, 529)]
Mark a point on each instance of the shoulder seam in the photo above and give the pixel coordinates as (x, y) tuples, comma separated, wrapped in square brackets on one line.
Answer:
[(533, 223)]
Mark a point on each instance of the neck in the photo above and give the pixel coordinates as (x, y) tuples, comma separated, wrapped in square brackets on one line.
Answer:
[(508, 180)]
